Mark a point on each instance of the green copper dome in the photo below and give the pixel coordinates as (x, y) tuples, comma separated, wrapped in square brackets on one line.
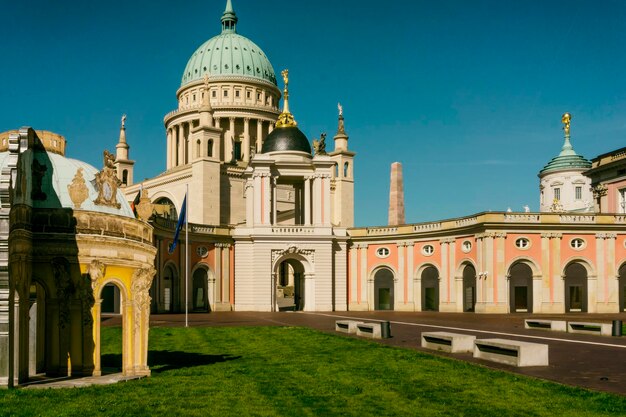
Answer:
[(566, 160), (228, 54)]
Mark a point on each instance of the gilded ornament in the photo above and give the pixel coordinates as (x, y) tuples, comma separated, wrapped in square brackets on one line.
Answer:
[(78, 189), (144, 208), (107, 183), (566, 119)]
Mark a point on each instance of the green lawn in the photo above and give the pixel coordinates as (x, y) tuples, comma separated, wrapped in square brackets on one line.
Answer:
[(300, 372)]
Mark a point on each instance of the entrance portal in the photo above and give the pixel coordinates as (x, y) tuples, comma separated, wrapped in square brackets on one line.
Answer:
[(199, 290), (430, 289), (575, 288), (290, 286), (521, 289), (469, 288), (383, 289)]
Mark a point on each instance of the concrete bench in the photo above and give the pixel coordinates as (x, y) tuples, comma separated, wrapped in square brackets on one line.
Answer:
[(369, 330), (448, 342), (511, 352), (603, 329), (346, 326), (554, 325)]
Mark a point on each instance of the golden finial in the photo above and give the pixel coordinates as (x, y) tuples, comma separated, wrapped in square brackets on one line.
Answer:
[(285, 119), (566, 122)]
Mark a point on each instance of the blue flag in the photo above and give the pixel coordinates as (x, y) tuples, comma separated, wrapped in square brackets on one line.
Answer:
[(181, 221)]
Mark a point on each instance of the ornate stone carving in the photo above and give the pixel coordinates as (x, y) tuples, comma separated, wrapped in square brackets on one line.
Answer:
[(556, 206), (292, 248), (144, 208), (107, 183), (96, 271), (141, 281), (61, 272), (78, 189), (319, 146), (599, 190), (38, 171), (548, 235)]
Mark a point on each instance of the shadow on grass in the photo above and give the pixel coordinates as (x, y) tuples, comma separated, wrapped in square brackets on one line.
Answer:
[(165, 360)]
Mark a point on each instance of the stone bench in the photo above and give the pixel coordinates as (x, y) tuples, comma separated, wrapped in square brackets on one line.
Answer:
[(369, 330), (448, 342), (346, 326), (554, 325), (603, 329), (511, 352)]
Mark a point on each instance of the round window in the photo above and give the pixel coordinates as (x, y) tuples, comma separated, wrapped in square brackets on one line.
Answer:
[(382, 252), (466, 246), (577, 243), (522, 243), (428, 250)]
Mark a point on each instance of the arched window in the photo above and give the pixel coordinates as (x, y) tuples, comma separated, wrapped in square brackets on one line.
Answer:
[(125, 177), (209, 151), (198, 148), (336, 170), (346, 166)]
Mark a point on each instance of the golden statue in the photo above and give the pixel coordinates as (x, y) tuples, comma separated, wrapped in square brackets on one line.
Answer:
[(285, 74), (566, 122)]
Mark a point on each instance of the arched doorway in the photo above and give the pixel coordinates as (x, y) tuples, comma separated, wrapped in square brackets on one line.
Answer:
[(430, 289), (521, 288), (170, 292), (383, 289), (575, 288), (199, 292), (111, 359), (110, 299), (289, 286), (469, 288), (622, 288)]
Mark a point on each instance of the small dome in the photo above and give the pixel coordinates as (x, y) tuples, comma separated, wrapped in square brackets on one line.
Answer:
[(288, 138), (58, 173)]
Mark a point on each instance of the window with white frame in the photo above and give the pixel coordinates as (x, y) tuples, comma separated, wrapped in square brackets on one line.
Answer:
[(466, 246), (382, 252), (428, 250), (578, 192), (622, 201), (557, 194), (522, 243), (577, 243)]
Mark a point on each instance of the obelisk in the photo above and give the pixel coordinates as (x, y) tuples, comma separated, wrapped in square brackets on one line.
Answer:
[(396, 196)]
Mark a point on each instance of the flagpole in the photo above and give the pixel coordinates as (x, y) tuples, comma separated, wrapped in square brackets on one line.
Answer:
[(187, 258)]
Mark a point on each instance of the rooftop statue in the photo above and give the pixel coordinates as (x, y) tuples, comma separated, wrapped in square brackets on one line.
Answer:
[(566, 122)]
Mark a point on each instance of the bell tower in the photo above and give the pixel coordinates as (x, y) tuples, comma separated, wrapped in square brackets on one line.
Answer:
[(342, 194), (123, 165)]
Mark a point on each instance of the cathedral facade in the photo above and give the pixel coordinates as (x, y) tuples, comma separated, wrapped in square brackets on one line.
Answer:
[(271, 221)]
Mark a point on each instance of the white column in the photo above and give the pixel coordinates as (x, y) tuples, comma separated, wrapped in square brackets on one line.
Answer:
[(181, 144), (169, 149), (274, 202), (258, 195), (228, 155), (259, 134), (218, 272), (246, 139), (325, 192), (307, 201), (188, 144), (317, 212), (398, 285), (409, 272)]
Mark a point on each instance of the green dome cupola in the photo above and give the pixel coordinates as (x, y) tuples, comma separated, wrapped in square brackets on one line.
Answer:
[(229, 54), (567, 159)]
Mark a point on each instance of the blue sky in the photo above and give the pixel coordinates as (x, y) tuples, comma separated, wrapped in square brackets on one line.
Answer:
[(468, 95)]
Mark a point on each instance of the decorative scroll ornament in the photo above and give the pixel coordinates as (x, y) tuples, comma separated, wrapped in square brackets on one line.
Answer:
[(144, 208), (107, 183), (78, 189), (141, 281), (556, 206), (292, 248), (599, 190), (96, 271)]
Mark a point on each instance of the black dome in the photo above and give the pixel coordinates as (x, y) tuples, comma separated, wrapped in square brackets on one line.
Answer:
[(288, 138)]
